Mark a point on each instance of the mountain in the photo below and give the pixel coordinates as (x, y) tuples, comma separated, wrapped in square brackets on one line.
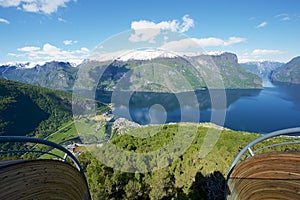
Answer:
[(171, 73), (149, 71), (55, 75), (146, 55), (234, 76), (288, 73), (262, 69), (27, 109)]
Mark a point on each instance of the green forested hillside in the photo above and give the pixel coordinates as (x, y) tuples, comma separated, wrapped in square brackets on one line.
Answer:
[(32, 110), (188, 177)]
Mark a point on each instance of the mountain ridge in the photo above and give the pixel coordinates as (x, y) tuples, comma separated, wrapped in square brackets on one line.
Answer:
[(288, 73), (62, 75)]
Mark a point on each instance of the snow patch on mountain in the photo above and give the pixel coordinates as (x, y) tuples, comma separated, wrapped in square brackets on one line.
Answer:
[(29, 65), (146, 55), (153, 54)]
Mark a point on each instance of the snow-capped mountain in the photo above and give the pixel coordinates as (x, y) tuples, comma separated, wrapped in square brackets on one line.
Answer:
[(56, 75), (62, 75), (22, 65), (146, 55), (28, 65)]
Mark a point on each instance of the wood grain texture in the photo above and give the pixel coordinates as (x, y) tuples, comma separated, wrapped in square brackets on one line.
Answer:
[(41, 179), (267, 176)]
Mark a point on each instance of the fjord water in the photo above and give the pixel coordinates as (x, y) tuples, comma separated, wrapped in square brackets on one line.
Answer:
[(274, 108), (261, 111)]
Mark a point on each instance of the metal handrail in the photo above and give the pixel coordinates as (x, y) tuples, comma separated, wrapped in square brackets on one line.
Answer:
[(24, 139), (275, 145), (260, 139), (32, 151)]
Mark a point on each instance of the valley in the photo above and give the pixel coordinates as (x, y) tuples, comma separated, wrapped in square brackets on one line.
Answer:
[(148, 127)]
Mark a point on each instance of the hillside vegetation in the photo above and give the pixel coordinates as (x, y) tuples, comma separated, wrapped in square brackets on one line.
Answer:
[(31, 110), (36, 111), (188, 177)]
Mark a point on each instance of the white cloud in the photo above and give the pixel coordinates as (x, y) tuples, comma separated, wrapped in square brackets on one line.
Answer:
[(31, 7), (206, 42), (9, 3), (147, 30), (261, 25), (283, 17), (84, 49), (70, 42), (29, 49), (37, 6), (142, 35), (61, 19), (262, 55), (180, 45), (196, 43), (259, 52), (50, 52), (234, 40), (5, 21), (187, 24), (14, 55)]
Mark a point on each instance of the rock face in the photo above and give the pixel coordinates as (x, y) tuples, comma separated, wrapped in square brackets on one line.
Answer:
[(158, 73), (234, 76), (288, 73)]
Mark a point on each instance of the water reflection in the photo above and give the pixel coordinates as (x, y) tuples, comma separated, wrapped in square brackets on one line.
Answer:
[(159, 108), (259, 111)]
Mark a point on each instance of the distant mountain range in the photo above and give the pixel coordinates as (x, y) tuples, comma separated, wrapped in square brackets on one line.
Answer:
[(262, 69), (288, 73), (61, 75), (55, 75)]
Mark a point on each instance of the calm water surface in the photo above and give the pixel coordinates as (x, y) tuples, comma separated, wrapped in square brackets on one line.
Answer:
[(272, 109), (262, 111)]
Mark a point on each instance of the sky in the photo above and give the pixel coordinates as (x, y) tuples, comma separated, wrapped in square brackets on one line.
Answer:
[(70, 30)]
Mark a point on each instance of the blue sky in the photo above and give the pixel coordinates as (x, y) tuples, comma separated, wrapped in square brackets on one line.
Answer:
[(68, 30)]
